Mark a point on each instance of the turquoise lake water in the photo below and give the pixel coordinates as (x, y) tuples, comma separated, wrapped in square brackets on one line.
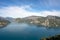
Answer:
[(24, 31)]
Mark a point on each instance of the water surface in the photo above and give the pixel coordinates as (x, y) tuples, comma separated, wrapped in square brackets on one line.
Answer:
[(24, 31)]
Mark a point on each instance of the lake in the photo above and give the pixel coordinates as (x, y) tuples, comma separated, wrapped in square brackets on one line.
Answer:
[(24, 31)]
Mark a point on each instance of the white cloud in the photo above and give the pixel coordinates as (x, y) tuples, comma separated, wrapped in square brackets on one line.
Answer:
[(15, 11)]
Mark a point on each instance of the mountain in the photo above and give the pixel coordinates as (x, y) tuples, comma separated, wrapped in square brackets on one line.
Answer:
[(32, 17), (52, 21), (10, 19), (53, 17), (29, 19), (48, 21), (3, 22)]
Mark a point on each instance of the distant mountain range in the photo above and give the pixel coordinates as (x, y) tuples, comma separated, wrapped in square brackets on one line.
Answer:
[(10, 19), (49, 21)]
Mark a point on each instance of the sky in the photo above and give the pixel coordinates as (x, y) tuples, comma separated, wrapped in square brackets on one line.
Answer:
[(24, 8)]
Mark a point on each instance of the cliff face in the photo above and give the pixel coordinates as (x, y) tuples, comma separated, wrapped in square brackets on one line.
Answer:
[(52, 21), (44, 21)]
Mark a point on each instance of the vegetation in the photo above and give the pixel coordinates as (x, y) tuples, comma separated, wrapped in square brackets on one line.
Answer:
[(57, 37)]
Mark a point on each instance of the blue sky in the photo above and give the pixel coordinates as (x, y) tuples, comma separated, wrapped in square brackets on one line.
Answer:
[(23, 8)]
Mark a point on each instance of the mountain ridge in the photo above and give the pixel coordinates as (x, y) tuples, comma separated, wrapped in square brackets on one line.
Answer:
[(48, 21), (45, 21)]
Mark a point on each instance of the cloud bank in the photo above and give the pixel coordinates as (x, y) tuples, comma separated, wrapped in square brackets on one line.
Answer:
[(20, 11)]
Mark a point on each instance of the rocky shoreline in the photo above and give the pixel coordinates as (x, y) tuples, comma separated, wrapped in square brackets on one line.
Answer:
[(3, 22)]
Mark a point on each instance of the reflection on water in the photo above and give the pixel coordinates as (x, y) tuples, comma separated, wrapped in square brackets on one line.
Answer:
[(23, 31)]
